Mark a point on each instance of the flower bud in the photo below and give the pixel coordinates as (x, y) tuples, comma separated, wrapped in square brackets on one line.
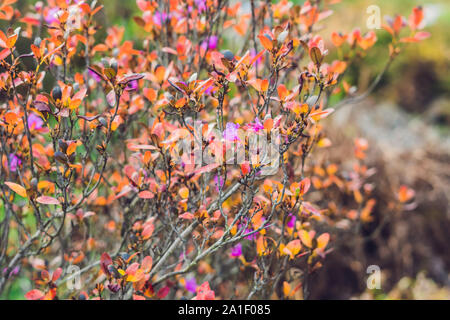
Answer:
[(61, 157), (227, 54), (57, 93)]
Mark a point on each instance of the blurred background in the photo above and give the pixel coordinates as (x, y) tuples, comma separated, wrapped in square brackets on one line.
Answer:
[(407, 123)]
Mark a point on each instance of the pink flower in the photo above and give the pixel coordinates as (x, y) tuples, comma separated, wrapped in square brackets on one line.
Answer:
[(160, 18), (52, 15), (14, 162), (291, 222), (201, 5), (211, 44), (191, 285), (256, 126), (96, 77), (34, 122), (216, 180), (253, 54), (236, 251)]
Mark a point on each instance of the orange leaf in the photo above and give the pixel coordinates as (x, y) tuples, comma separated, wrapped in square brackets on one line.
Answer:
[(415, 18), (266, 42), (294, 247), (261, 246), (321, 114), (56, 274), (322, 240), (282, 92), (148, 231)]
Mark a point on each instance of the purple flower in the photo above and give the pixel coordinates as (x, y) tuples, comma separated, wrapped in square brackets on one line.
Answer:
[(13, 272), (231, 132), (256, 126), (211, 44), (96, 77), (14, 162), (34, 122), (132, 86), (249, 236), (201, 5), (159, 18), (236, 251), (291, 222), (191, 285), (216, 180), (209, 90)]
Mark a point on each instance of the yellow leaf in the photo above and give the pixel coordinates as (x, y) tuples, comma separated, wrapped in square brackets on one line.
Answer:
[(71, 149), (305, 237), (57, 60), (322, 240), (17, 188), (294, 247)]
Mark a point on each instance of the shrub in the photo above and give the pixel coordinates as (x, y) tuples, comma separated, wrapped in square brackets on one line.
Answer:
[(176, 164)]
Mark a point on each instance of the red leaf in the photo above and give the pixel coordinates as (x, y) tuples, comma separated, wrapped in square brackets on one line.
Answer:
[(163, 292), (148, 231), (56, 274)]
